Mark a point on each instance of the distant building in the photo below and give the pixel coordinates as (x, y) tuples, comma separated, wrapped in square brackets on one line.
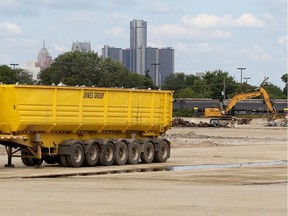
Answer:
[(138, 44), (126, 58), (199, 74), (32, 69), (111, 52), (81, 46), (44, 60), (166, 60), (152, 64), (157, 63)]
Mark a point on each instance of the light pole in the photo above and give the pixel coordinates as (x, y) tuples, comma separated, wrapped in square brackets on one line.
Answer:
[(155, 73), (14, 75), (241, 68), (14, 65), (246, 78)]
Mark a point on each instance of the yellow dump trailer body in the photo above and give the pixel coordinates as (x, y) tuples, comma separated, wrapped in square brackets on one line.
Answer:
[(49, 114), (57, 109)]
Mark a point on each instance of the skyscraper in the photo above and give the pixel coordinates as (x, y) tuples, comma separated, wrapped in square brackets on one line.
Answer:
[(152, 64), (166, 60), (44, 59), (111, 52), (138, 44)]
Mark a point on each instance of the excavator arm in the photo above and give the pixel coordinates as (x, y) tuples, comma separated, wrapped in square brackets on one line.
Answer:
[(245, 96), (268, 102), (241, 97)]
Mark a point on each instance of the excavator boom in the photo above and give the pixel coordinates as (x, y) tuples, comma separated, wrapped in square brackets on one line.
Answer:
[(214, 112)]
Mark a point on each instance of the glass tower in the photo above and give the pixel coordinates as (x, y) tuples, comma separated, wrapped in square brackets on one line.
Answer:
[(138, 44)]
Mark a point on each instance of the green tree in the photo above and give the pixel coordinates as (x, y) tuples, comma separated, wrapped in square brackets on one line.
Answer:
[(215, 80), (274, 91), (7, 75), (175, 81), (12, 76), (78, 68), (184, 93)]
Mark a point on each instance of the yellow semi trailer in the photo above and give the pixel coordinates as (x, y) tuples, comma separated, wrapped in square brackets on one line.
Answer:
[(76, 126)]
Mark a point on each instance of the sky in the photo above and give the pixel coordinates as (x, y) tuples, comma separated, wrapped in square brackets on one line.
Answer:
[(206, 35)]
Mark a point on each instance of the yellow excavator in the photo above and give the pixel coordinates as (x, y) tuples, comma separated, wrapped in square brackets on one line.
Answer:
[(222, 114)]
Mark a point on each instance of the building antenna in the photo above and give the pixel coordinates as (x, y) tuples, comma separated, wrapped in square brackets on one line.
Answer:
[(44, 44)]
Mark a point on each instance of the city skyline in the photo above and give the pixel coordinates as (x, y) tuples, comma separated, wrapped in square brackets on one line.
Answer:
[(206, 35), (156, 62)]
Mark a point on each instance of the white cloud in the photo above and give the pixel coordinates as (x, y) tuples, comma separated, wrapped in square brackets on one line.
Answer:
[(158, 7), (203, 47), (116, 32), (249, 20), (8, 28), (283, 41), (60, 48), (81, 16), (204, 20), (256, 53), (119, 18), (180, 31)]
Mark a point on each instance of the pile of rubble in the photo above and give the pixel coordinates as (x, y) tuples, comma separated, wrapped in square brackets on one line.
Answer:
[(179, 122)]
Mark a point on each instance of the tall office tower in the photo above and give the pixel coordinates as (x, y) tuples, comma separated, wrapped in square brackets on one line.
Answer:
[(81, 46), (111, 52), (138, 43), (44, 60), (126, 58), (166, 60), (152, 64)]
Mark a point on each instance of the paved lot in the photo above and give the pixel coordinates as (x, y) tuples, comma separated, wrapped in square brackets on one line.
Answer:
[(259, 190)]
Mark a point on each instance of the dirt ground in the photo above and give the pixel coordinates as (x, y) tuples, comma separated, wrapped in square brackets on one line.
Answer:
[(136, 190)]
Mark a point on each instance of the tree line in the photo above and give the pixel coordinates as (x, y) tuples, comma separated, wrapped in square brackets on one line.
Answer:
[(89, 69)]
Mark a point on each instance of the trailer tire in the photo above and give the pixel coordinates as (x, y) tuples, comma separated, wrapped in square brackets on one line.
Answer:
[(76, 158), (121, 153), (63, 160), (50, 159), (133, 153), (92, 155), (26, 161), (163, 152), (37, 162), (107, 155), (147, 156)]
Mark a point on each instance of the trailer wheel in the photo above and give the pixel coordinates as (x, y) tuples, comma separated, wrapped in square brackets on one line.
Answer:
[(77, 155), (163, 152), (50, 159), (26, 161), (63, 160), (121, 153), (92, 155), (133, 153), (147, 155), (107, 156)]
